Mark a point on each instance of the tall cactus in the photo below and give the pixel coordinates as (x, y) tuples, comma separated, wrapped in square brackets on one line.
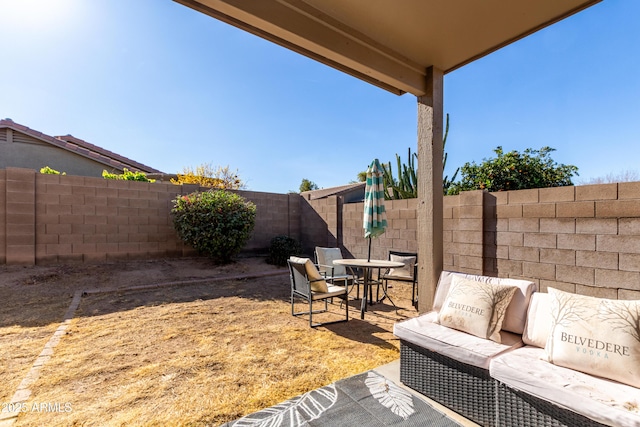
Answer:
[(446, 182), (406, 185)]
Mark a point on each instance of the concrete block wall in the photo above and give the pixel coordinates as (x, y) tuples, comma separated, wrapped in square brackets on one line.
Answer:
[(583, 239), (3, 217), (276, 214), (354, 245), (463, 235), (19, 216), (84, 219), (314, 228), (63, 218), (401, 233)]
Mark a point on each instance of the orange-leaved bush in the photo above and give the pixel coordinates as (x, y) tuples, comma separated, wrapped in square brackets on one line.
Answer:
[(206, 175)]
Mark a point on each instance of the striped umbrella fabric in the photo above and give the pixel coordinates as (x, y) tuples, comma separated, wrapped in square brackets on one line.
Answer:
[(375, 217)]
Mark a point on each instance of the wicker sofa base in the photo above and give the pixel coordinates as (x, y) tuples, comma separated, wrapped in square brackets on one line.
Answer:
[(516, 408), (466, 389)]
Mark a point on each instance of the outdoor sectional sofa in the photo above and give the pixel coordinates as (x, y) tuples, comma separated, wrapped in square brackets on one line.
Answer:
[(452, 367), (509, 383), (533, 392)]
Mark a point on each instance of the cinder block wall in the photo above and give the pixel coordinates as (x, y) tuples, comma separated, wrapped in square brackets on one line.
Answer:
[(463, 235), (583, 239), (401, 233), (3, 217), (83, 219), (319, 223), (19, 216), (276, 214), (58, 219)]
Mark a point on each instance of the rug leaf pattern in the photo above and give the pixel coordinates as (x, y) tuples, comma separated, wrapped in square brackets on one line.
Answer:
[(367, 399), (399, 401), (290, 413)]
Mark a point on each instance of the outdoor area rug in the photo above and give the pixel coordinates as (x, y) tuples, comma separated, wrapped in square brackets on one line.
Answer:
[(367, 399)]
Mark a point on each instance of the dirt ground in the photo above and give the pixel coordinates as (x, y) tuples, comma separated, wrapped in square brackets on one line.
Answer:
[(34, 299), (68, 278), (177, 347)]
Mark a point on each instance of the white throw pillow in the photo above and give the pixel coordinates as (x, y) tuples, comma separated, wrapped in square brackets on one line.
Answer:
[(516, 315), (595, 335), (407, 270), (477, 308)]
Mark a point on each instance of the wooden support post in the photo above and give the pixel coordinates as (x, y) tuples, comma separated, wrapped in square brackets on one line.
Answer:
[(430, 195)]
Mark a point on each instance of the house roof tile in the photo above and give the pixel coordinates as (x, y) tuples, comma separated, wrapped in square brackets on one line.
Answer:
[(81, 148), (332, 191)]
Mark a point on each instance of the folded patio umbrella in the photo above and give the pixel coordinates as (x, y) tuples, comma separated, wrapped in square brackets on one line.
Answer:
[(375, 218)]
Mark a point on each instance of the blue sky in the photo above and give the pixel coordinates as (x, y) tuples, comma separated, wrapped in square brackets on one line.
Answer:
[(169, 87)]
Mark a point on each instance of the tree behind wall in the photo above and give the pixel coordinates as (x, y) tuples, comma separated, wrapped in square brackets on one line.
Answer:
[(207, 175), (307, 185), (514, 171)]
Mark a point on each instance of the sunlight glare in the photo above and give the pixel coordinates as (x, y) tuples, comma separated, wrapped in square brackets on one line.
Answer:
[(37, 14)]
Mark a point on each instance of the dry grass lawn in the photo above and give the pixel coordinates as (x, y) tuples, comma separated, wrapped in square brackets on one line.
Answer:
[(192, 355), (28, 318)]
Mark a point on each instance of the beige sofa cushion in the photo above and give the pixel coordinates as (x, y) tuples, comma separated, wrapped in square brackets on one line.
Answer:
[(538, 326), (423, 331), (477, 308), (605, 401), (595, 335), (516, 315)]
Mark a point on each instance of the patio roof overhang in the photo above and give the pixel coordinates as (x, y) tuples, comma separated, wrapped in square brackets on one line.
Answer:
[(402, 46), (388, 43)]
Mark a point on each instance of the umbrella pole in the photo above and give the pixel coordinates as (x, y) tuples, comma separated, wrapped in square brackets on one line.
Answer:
[(369, 253)]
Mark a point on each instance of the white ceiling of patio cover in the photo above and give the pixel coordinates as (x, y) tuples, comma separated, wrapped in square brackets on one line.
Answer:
[(391, 43)]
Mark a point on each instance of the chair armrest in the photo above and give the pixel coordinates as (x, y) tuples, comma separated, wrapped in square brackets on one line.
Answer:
[(328, 267)]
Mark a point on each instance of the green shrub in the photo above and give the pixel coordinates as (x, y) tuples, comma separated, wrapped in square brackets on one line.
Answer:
[(216, 223), (127, 175), (515, 171), (281, 248), (48, 171)]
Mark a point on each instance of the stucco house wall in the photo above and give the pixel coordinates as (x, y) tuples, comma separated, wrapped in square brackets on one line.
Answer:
[(23, 147), (23, 151)]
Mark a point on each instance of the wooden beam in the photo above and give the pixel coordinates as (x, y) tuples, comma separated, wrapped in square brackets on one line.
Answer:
[(298, 26), (430, 194)]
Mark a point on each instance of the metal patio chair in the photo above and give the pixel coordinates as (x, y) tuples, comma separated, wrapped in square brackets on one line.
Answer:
[(324, 258), (308, 284), (408, 273)]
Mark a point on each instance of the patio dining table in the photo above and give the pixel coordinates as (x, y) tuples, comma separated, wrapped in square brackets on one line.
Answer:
[(366, 266)]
